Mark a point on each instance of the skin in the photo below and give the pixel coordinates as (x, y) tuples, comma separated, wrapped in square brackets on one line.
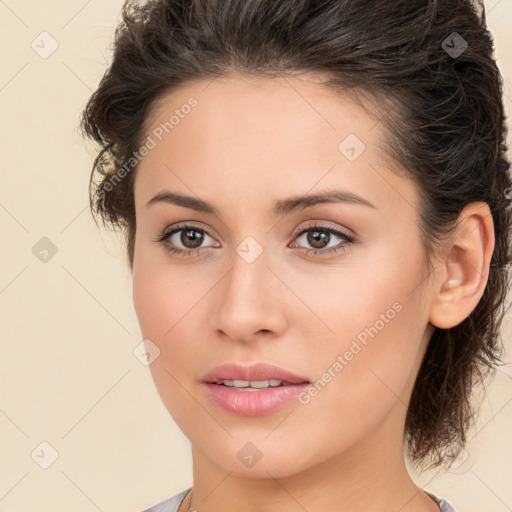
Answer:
[(247, 144)]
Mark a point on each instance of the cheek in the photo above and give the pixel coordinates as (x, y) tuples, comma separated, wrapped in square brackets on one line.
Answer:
[(378, 287), (377, 319), (162, 301), (169, 300), (162, 295)]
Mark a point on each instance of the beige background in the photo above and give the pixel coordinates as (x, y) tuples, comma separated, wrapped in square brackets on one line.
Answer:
[(68, 373)]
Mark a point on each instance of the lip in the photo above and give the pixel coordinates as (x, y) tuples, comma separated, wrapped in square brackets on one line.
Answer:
[(252, 403)]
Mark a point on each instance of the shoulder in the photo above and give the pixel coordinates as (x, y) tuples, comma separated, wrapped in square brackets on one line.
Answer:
[(170, 504), (444, 506)]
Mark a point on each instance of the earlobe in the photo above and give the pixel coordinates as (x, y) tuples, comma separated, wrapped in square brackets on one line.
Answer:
[(462, 278)]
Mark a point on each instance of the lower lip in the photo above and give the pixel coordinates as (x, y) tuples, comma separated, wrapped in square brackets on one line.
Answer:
[(253, 403)]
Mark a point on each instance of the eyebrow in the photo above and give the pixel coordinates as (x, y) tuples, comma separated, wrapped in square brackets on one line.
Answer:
[(281, 206)]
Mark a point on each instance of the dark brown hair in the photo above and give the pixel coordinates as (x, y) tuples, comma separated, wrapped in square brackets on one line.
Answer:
[(441, 104)]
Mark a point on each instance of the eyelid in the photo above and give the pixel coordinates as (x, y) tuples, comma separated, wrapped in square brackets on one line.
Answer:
[(183, 226), (323, 225)]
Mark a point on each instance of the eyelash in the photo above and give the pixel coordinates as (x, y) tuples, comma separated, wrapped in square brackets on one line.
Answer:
[(348, 239)]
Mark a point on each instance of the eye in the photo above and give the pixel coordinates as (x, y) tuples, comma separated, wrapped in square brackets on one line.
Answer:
[(319, 237), (190, 237)]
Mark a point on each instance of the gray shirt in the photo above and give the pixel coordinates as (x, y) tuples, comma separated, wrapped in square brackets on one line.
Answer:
[(172, 504)]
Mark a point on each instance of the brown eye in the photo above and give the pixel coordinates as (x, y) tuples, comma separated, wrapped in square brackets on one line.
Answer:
[(319, 237), (191, 238), (185, 240)]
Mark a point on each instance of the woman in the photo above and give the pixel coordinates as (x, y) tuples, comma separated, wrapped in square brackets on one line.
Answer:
[(316, 205)]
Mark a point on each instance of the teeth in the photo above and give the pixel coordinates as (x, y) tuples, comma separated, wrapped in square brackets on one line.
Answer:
[(240, 383), (255, 384), (260, 384)]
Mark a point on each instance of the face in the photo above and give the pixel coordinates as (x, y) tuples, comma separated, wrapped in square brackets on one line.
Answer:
[(330, 290)]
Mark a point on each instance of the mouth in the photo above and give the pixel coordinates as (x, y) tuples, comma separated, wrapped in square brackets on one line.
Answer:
[(252, 390), (252, 385)]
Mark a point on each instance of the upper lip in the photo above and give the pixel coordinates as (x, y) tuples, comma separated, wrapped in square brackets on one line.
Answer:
[(258, 371)]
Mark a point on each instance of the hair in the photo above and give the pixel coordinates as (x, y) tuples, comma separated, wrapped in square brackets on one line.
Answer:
[(444, 121)]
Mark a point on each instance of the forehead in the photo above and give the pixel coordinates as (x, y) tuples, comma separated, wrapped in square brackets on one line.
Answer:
[(283, 133), (227, 105)]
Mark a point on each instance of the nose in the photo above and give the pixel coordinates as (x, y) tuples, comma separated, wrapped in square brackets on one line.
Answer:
[(250, 301)]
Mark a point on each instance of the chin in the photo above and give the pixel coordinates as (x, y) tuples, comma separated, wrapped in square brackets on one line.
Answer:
[(257, 458)]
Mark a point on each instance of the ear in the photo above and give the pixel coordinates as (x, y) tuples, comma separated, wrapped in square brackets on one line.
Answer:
[(464, 270)]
